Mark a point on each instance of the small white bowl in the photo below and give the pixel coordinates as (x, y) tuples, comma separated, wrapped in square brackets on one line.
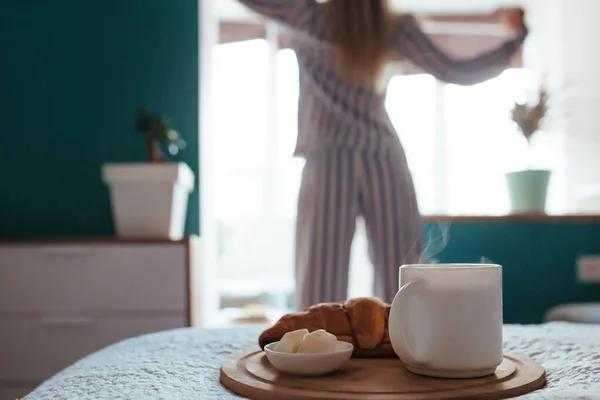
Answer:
[(309, 364)]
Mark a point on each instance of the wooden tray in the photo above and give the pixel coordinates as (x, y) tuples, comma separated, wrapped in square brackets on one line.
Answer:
[(251, 375)]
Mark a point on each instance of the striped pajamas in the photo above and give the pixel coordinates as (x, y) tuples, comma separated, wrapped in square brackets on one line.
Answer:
[(338, 185), (355, 164)]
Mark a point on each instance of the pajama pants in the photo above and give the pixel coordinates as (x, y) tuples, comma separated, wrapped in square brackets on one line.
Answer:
[(338, 186)]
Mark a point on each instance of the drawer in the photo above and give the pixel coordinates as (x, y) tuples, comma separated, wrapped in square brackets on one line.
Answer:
[(10, 392), (121, 277), (34, 349)]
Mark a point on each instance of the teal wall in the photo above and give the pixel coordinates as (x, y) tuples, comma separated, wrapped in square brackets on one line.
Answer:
[(72, 75), (538, 260)]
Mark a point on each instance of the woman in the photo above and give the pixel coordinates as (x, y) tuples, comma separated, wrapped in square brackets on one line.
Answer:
[(355, 164)]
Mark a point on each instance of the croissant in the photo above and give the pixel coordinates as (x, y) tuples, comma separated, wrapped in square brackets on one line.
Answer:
[(361, 321)]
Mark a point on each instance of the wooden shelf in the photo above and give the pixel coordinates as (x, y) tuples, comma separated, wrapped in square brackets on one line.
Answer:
[(91, 240), (514, 218), (540, 218)]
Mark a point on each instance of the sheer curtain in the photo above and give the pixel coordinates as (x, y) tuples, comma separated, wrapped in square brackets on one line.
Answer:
[(255, 255), (411, 103), (459, 143)]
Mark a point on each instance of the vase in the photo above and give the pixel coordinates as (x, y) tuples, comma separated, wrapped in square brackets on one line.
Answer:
[(149, 200), (528, 190)]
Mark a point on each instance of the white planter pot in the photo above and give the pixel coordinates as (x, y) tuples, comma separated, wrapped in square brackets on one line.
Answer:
[(149, 201)]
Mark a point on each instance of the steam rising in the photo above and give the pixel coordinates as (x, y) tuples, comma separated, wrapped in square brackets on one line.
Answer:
[(436, 241), (435, 244)]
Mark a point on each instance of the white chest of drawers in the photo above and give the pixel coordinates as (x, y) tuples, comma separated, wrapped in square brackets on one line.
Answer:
[(60, 301)]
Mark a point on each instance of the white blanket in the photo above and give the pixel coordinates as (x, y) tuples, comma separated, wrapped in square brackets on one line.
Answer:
[(184, 364)]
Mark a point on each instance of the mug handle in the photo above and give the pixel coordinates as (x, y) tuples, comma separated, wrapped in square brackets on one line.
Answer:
[(398, 324)]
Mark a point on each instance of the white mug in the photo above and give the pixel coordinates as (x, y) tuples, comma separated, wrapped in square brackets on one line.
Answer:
[(446, 320)]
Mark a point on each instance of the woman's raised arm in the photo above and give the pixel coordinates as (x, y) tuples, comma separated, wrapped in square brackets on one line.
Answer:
[(416, 46)]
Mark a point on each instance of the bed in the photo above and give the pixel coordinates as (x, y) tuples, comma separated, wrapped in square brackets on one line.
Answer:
[(184, 364)]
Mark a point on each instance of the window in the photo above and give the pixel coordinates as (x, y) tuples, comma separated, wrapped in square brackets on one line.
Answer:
[(482, 142), (240, 142), (256, 253), (289, 168), (469, 129), (411, 105), (459, 143)]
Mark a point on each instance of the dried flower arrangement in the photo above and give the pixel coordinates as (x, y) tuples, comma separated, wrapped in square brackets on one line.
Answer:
[(156, 129), (530, 117)]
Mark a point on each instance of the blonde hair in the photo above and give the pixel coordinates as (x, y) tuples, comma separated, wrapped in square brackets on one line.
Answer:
[(361, 33)]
